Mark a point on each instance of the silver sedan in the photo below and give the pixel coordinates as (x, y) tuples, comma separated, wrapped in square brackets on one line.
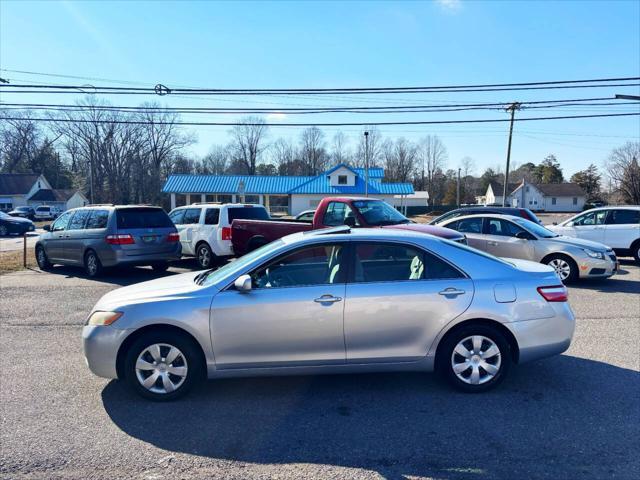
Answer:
[(508, 236), (333, 301)]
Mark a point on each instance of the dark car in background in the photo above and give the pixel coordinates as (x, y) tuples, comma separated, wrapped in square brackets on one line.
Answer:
[(14, 225), (107, 236), (459, 212), (24, 212)]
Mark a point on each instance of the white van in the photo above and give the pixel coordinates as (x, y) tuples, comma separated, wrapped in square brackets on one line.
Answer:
[(46, 212), (616, 227), (205, 228)]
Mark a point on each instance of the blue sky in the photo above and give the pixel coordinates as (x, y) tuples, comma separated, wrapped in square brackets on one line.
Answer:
[(349, 44)]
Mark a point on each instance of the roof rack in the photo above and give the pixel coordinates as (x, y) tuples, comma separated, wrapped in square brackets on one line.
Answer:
[(205, 203), (329, 231), (99, 205)]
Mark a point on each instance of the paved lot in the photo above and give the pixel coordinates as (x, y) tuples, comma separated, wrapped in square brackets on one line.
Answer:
[(16, 242), (573, 416)]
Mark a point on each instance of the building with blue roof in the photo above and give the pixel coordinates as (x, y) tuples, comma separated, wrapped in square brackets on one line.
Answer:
[(285, 194)]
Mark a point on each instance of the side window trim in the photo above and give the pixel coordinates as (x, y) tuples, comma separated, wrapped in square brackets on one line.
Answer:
[(352, 257)]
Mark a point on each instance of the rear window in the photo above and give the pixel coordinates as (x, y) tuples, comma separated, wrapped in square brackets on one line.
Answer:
[(250, 213), (98, 219), (142, 218)]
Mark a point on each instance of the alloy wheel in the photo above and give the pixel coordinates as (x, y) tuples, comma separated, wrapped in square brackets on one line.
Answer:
[(161, 368), (204, 257), (41, 257), (92, 264), (3, 231), (476, 360), (562, 268)]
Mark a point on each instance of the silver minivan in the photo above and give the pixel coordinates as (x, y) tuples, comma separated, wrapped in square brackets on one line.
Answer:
[(106, 236)]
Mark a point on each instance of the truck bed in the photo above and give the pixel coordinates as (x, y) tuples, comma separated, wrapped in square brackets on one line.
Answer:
[(247, 235)]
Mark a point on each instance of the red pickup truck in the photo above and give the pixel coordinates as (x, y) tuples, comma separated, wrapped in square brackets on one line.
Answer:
[(247, 235)]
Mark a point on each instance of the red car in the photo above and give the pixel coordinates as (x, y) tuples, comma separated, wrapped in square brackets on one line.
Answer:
[(247, 235)]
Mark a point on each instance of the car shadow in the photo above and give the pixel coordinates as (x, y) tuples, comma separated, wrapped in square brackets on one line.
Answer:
[(563, 417), (617, 284)]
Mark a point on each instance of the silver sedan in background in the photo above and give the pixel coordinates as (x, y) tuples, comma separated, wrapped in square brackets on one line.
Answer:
[(508, 236), (333, 301)]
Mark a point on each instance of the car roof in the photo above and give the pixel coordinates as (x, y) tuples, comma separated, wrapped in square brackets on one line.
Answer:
[(612, 207), (344, 233), (492, 215), (219, 205)]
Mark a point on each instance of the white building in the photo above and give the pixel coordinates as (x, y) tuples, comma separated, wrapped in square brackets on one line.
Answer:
[(285, 194), (543, 197), (22, 189)]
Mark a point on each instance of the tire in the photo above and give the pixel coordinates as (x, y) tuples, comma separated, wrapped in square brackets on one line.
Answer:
[(160, 267), (4, 231), (635, 250), (172, 379), (564, 266), (42, 259), (464, 340), (92, 265), (205, 257)]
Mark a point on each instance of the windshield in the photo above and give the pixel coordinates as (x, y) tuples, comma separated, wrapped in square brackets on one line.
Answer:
[(23, 209), (378, 213), (4, 215), (214, 276), (537, 230)]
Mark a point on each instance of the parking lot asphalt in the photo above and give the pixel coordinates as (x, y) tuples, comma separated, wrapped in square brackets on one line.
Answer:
[(16, 242), (573, 416)]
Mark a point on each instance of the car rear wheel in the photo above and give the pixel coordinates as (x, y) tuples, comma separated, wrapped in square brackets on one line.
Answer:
[(163, 366), (41, 258), (206, 258), (4, 231), (566, 268), (475, 358), (92, 265), (635, 250)]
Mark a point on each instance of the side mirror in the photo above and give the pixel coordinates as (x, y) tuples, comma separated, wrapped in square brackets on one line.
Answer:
[(569, 224), (523, 236), (243, 283), (47, 228), (350, 222)]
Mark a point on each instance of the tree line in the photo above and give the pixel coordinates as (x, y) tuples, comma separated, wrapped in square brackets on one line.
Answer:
[(94, 149)]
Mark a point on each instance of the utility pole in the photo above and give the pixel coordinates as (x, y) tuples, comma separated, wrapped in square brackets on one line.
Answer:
[(366, 164), (458, 189), (511, 108)]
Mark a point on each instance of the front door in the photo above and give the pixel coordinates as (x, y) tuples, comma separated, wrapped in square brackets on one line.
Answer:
[(188, 228), (589, 226), (75, 242), (398, 298), (502, 241), (293, 316), (54, 244)]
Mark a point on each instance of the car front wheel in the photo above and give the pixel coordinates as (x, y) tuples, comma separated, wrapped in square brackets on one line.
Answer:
[(41, 258), (4, 231), (475, 358), (566, 268), (205, 257), (163, 366)]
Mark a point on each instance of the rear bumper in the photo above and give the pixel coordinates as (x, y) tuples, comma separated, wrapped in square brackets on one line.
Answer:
[(113, 257), (544, 337)]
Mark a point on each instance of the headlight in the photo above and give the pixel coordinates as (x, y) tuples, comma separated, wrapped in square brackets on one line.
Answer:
[(103, 318), (594, 254)]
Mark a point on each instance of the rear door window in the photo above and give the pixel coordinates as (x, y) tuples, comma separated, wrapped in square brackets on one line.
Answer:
[(247, 213), (503, 228), (98, 219), (623, 217), (470, 225), (142, 218), (191, 215), (212, 216), (78, 220), (176, 216)]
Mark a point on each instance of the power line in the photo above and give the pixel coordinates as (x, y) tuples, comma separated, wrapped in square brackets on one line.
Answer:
[(361, 124)]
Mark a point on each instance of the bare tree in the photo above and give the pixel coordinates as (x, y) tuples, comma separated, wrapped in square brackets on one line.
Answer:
[(18, 142), (283, 154), (247, 142), (339, 150), (399, 160), (375, 149), (312, 150), (434, 158), (623, 170), (216, 161)]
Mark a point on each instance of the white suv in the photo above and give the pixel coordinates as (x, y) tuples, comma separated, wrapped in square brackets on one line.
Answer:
[(46, 212), (616, 227), (205, 228)]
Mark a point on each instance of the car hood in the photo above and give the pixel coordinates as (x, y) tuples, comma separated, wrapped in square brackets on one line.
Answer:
[(18, 219), (441, 232), (169, 287), (578, 242)]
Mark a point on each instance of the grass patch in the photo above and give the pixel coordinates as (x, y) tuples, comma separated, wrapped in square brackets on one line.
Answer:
[(12, 261)]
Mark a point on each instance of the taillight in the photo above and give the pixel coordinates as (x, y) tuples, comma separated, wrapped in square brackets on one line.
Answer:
[(120, 239), (556, 293), (226, 233), (173, 237)]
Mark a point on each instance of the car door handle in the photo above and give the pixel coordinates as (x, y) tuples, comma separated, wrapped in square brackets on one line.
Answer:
[(454, 292), (492, 243), (327, 299)]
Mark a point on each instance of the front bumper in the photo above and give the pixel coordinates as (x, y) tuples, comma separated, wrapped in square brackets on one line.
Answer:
[(101, 345), (597, 268)]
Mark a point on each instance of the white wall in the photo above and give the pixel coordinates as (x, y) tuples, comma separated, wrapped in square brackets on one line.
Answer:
[(351, 178), (527, 196), (77, 200), (564, 204)]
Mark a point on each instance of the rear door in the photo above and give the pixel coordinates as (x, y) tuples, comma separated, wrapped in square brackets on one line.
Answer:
[(622, 228), (502, 241), (397, 300), (472, 229), (187, 221), (149, 227), (73, 245), (209, 228), (55, 242)]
